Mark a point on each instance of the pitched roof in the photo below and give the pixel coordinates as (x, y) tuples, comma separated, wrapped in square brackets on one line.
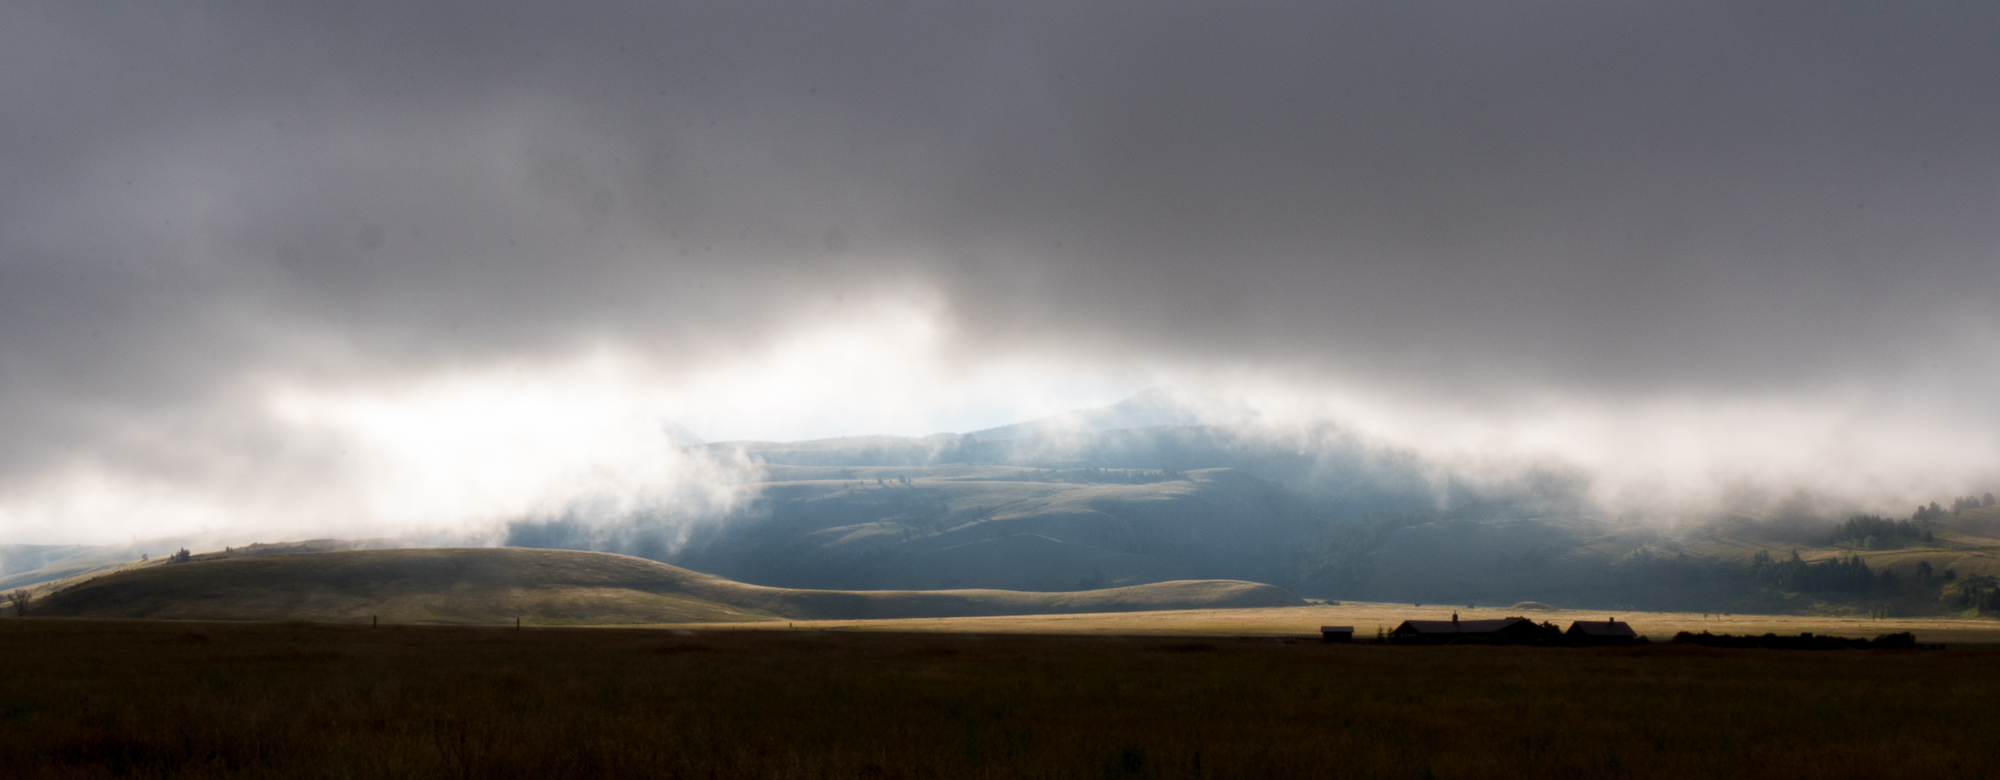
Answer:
[(1459, 626), (1601, 628)]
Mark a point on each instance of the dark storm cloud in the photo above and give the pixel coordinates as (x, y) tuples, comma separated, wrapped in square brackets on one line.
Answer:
[(1607, 198)]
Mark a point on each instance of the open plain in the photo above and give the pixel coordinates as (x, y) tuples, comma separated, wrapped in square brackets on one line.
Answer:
[(622, 667), (156, 699), (1304, 622)]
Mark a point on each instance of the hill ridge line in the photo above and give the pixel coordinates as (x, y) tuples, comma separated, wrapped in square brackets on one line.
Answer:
[(496, 585)]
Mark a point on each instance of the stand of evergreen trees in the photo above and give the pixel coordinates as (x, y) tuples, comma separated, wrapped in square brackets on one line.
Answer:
[(1963, 503), (1873, 531), (1846, 576), (1978, 591), (1338, 565)]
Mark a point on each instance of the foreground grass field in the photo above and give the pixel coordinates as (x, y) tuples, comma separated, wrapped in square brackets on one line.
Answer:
[(160, 699)]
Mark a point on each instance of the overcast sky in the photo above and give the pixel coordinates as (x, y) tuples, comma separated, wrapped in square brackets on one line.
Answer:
[(278, 264)]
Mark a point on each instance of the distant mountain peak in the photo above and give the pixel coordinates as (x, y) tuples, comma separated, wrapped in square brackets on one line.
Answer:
[(679, 435), (1149, 407)]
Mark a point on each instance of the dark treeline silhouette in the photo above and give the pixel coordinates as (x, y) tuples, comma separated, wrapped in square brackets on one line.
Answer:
[(1860, 529), (1846, 579), (1872, 531), (1846, 576), (1897, 641), (1963, 503), (1978, 591), (1344, 561), (1831, 578)]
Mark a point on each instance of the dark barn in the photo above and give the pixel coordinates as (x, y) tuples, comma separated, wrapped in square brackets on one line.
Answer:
[(1507, 630), (1336, 633), (1600, 632)]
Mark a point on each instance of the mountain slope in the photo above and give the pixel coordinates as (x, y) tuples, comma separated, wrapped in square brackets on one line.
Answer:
[(999, 527), (1144, 409), (544, 587)]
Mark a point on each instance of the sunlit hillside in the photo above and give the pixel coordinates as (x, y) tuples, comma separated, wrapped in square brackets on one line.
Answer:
[(1315, 513), (1319, 514), (488, 586)]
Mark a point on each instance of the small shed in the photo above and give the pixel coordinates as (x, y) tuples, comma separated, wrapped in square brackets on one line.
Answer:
[(1609, 631), (1507, 630), (1336, 633)]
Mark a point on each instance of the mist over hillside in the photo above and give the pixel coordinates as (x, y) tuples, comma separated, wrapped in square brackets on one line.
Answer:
[(1080, 509), (1316, 510), (276, 272), (1151, 407), (1066, 503)]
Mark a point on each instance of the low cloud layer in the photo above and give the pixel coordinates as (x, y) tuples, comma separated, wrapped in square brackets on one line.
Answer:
[(1685, 247)]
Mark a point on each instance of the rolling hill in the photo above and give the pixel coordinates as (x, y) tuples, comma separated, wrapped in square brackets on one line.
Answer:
[(1002, 527), (1075, 503), (1065, 503), (555, 587)]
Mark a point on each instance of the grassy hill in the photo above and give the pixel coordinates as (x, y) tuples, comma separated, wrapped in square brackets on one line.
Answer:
[(555, 587), (1966, 543), (1128, 507), (1002, 527), (1312, 511), (39, 568), (1583, 562)]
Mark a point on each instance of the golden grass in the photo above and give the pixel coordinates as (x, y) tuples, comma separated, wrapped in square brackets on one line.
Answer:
[(89, 699), (1366, 617)]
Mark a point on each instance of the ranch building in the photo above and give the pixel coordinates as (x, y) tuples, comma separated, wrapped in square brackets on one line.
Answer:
[(1506, 630), (1608, 631)]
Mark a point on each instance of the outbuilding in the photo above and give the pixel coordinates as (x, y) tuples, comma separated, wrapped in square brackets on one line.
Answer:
[(1336, 633)]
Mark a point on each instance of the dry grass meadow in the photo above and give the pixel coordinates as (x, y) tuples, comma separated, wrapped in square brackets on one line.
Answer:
[(496, 586), (146, 699), (1366, 617)]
